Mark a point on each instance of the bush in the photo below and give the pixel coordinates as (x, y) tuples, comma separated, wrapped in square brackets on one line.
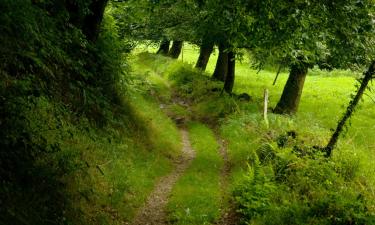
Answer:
[(54, 85), (210, 103), (311, 191)]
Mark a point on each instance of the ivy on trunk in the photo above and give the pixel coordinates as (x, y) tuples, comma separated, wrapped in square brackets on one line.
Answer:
[(368, 76)]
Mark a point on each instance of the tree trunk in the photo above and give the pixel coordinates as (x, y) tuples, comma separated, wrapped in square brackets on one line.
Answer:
[(175, 50), (221, 68), (289, 101), (164, 47), (229, 79), (349, 111), (204, 56), (89, 23), (75, 16), (92, 21)]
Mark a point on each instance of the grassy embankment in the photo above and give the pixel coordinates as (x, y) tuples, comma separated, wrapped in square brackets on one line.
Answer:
[(125, 160)]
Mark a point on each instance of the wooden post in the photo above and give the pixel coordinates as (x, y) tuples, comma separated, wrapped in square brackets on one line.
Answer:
[(265, 107)]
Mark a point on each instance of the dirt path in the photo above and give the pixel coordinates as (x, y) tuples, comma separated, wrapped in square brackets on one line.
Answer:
[(229, 216), (153, 212)]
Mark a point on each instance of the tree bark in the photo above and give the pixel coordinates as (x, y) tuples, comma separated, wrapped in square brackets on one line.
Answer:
[(164, 47), (175, 50), (89, 23), (75, 16), (349, 111), (92, 21), (221, 68), (229, 79), (289, 101), (204, 56)]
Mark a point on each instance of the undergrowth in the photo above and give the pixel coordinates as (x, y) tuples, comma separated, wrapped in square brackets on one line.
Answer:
[(76, 146)]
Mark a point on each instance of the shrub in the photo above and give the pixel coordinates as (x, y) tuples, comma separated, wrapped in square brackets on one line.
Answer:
[(52, 79), (301, 191)]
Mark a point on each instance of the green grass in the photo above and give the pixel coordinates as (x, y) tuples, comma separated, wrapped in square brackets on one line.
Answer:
[(108, 172), (196, 198), (125, 163), (325, 97), (160, 130)]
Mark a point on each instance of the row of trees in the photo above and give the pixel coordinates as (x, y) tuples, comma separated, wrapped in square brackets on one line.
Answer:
[(295, 34), (299, 34)]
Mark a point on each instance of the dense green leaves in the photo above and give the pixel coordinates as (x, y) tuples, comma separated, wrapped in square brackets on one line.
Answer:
[(53, 74)]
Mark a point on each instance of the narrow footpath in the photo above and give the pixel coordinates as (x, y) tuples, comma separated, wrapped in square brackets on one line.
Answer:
[(154, 212), (228, 214)]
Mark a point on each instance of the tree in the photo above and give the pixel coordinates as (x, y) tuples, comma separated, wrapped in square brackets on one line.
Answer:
[(228, 23), (364, 82), (164, 47), (175, 50), (92, 21), (301, 34), (156, 20), (229, 79), (87, 16), (221, 68), (204, 55), (290, 98)]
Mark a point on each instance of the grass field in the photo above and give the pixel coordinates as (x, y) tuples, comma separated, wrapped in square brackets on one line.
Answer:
[(325, 97)]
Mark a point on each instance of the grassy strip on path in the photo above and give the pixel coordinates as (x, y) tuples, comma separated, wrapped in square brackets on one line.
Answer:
[(196, 197)]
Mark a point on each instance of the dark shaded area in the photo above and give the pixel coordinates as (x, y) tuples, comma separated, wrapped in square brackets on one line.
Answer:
[(164, 47), (221, 68), (229, 79), (204, 56), (51, 57), (175, 50)]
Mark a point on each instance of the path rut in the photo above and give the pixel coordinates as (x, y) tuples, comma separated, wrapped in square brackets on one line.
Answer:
[(228, 216), (154, 211)]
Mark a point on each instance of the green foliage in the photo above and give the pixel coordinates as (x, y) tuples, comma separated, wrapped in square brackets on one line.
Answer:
[(254, 194), (55, 88), (210, 103), (328, 34), (191, 83), (311, 192)]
